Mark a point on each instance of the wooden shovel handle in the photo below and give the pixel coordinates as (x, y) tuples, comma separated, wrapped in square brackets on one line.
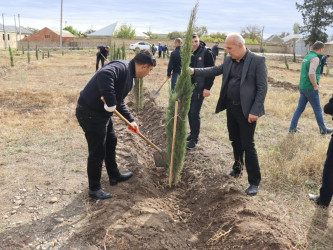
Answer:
[(173, 144), (104, 57), (131, 125), (162, 84)]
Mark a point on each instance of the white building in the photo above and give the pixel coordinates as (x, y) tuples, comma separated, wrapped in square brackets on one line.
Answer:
[(12, 36)]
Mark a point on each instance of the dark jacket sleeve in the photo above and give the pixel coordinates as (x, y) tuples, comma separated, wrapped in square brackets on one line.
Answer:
[(105, 84), (122, 108), (209, 62), (261, 84), (209, 72), (170, 65)]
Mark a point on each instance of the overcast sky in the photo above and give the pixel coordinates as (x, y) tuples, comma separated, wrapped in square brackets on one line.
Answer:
[(160, 16)]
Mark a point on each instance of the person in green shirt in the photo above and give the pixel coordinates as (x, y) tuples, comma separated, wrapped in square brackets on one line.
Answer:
[(309, 88)]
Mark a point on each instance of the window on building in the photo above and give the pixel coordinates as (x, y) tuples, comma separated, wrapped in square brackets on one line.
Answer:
[(8, 37), (47, 36), (3, 37)]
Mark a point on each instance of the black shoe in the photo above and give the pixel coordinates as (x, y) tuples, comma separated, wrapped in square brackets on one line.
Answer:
[(191, 144), (316, 199), (235, 173), (252, 190), (99, 194), (237, 169), (120, 178), (326, 132), (188, 138)]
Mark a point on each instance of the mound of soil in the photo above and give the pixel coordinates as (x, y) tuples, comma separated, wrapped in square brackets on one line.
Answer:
[(279, 84), (207, 210)]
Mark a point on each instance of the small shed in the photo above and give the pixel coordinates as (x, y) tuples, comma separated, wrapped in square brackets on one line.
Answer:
[(329, 48), (296, 42)]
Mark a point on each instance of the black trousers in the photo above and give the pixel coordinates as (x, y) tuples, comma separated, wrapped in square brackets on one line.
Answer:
[(241, 135), (159, 54), (326, 190), (102, 142), (99, 58), (194, 113)]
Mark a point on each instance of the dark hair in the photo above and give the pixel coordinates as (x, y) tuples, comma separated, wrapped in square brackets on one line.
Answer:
[(328, 56), (318, 45), (328, 108), (195, 34), (145, 57)]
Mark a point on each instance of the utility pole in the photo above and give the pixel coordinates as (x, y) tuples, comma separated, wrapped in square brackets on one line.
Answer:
[(18, 16), (15, 30), (4, 30), (61, 26)]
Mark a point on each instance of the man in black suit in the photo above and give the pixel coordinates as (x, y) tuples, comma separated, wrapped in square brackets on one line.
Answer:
[(243, 92), (114, 81)]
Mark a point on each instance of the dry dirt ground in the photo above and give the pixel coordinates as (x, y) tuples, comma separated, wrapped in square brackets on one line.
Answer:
[(43, 195)]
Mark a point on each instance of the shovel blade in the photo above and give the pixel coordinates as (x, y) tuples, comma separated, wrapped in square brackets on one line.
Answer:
[(155, 93), (161, 159)]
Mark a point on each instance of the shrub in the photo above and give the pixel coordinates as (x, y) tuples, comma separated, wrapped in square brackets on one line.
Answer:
[(183, 93), (123, 49), (11, 57), (286, 62), (36, 52), (28, 54), (138, 92)]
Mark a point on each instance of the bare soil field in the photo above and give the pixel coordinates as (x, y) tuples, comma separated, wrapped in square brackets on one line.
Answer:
[(43, 195)]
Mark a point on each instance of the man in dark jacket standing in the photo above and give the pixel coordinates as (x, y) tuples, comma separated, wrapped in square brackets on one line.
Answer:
[(153, 49), (323, 63), (202, 57), (160, 48), (113, 82), (102, 54), (326, 190), (243, 92), (174, 65), (216, 49), (165, 50)]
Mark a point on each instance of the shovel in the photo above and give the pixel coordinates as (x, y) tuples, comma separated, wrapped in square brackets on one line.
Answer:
[(155, 93), (160, 157), (107, 60)]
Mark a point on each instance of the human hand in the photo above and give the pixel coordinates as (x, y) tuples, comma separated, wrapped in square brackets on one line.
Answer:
[(169, 77), (316, 87), (135, 126), (206, 93), (252, 118), (109, 109), (192, 71)]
